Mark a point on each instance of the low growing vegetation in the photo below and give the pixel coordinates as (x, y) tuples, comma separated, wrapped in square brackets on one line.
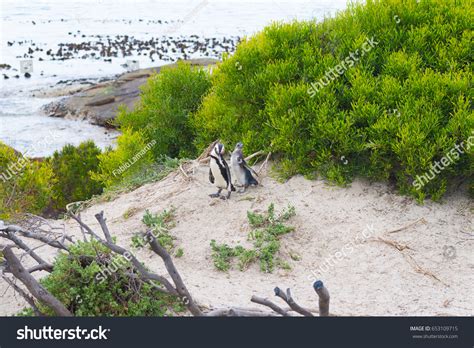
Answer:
[(266, 231), (160, 225), (81, 284)]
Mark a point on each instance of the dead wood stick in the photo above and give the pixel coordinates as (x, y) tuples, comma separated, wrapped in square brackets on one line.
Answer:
[(289, 300), (49, 241), (407, 226), (238, 312), (23, 294), (175, 276), (270, 304), (324, 297), (393, 243), (35, 288), (255, 154), (264, 163), (11, 236)]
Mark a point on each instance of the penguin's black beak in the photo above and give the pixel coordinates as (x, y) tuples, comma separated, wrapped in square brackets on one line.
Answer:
[(220, 148)]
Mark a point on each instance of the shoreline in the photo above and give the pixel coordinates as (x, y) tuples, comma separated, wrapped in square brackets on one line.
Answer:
[(98, 102)]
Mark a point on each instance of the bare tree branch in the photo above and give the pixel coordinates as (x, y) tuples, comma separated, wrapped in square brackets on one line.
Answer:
[(36, 289), (11, 236), (173, 272), (289, 300), (23, 293), (270, 304), (324, 297)]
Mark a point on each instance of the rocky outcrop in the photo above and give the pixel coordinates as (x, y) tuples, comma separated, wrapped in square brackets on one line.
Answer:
[(99, 103)]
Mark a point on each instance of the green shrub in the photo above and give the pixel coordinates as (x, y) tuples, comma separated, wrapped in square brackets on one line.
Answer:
[(71, 167), (25, 185), (132, 155), (389, 116), (77, 282), (266, 231), (167, 101)]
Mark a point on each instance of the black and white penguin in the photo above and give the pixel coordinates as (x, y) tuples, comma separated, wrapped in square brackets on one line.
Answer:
[(219, 173), (241, 170)]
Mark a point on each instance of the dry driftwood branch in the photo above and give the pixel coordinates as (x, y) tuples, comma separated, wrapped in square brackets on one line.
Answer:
[(324, 297), (36, 289), (172, 271), (270, 304), (204, 157), (19, 243), (393, 243), (407, 226), (42, 238), (289, 300), (264, 164), (238, 312), (255, 154), (23, 294)]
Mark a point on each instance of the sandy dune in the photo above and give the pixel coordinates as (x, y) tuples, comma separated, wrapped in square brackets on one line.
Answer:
[(335, 237)]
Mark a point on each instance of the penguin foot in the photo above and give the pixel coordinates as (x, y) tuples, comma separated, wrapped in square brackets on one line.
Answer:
[(214, 195), (224, 198)]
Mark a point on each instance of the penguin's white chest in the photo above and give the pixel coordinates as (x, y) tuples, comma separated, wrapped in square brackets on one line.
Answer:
[(219, 180), (237, 171)]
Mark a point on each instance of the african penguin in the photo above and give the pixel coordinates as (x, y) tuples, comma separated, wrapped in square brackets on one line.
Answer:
[(219, 173), (241, 170)]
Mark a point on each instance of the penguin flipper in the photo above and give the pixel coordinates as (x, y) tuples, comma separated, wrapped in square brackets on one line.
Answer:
[(249, 179), (243, 163), (211, 177)]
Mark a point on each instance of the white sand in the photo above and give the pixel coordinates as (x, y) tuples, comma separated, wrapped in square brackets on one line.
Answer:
[(372, 278)]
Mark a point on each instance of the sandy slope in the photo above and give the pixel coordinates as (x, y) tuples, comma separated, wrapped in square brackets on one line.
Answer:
[(365, 277)]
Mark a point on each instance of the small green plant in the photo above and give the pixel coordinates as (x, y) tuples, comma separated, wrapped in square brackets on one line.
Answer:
[(267, 229), (179, 252), (160, 225)]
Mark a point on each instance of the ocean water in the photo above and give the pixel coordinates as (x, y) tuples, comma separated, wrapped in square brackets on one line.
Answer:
[(33, 27)]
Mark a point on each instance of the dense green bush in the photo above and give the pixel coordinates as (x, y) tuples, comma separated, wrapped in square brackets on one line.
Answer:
[(131, 157), (71, 167), (167, 101), (80, 282), (390, 114), (25, 185)]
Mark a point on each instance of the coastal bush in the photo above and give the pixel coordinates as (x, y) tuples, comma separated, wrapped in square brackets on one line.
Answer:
[(381, 91), (84, 282), (71, 167), (132, 156), (25, 185), (167, 101)]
